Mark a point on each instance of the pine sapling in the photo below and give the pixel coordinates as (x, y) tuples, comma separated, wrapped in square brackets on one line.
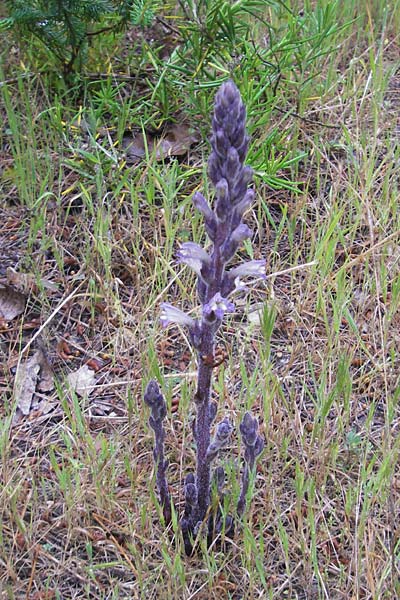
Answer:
[(66, 27)]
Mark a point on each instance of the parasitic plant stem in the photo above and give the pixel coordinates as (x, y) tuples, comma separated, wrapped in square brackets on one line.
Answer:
[(155, 400), (216, 282)]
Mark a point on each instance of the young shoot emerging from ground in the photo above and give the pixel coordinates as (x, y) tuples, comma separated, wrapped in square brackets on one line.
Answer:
[(216, 283)]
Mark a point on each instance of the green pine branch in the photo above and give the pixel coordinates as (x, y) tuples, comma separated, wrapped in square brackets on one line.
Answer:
[(65, 26)]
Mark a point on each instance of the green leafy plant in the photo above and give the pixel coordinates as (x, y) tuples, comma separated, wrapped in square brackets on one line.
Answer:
[(214, 32), (143, 12), (65, 27)]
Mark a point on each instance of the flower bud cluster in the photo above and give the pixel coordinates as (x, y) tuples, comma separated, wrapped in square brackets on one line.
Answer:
[(223, 223)]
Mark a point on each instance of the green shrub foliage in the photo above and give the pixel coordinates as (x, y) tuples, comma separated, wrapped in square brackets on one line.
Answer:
[(66, 26)]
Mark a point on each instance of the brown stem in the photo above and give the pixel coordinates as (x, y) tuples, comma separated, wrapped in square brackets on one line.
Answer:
[(203, 438)]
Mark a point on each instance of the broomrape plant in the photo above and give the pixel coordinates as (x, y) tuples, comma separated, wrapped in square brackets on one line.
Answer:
[(216, 282)]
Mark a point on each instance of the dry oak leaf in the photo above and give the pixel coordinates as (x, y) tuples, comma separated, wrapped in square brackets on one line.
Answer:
[(46, 379), (26, 282), (12, 303), (82, 381), (176, 140), (34, 373)]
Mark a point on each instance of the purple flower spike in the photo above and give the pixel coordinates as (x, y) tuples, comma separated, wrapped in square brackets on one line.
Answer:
[(171, 314), (248, 429), (217, 307), (155, 400), (224, 226), (253, 444), (229, 140)]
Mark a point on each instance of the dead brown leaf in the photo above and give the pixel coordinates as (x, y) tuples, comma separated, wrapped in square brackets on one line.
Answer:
[(22, 282), (46, 379), (12, 303), (175, 141), (34, 374), (82, 381), (26, 282), (25, 382)]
